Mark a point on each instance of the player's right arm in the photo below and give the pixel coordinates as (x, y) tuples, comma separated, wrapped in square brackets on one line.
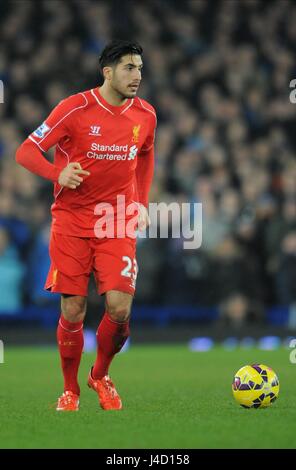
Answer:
[(57, 126)]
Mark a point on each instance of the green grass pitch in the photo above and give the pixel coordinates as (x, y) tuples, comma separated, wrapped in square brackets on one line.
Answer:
[(173, 398)]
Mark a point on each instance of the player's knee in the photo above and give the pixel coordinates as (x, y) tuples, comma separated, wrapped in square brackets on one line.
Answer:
[(119, 311), (74, 308)]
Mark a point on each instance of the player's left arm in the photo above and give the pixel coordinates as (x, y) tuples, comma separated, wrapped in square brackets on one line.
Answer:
[(144, 174)]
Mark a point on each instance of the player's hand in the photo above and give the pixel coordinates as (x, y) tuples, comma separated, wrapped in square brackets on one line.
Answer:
[(143, 218), (69, 176)]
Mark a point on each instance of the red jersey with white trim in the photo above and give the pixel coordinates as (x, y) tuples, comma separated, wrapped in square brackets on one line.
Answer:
[(107, 141)]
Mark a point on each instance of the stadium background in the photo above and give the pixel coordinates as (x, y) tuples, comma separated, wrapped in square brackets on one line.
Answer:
[(218, 74)]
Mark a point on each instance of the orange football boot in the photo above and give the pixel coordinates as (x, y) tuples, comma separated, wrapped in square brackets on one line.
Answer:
[(107, 394), (69, 401)]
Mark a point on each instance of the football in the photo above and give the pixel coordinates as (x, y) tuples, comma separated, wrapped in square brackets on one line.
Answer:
[(255, 386)]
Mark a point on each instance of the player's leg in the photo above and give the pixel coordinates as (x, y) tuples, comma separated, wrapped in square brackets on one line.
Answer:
[(69, 275), (70, 339), (116, 271), (70, 344), (113, 330), (112, 333)]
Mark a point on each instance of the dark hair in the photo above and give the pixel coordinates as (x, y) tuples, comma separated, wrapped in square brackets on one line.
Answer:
[(116, 49)]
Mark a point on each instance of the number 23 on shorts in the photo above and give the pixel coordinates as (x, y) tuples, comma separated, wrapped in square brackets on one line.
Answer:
[(130, 269)]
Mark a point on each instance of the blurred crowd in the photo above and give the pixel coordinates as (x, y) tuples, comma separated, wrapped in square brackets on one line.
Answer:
[(218, 74)]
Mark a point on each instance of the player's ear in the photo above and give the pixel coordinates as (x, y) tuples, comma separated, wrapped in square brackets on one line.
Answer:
[(107, 72)]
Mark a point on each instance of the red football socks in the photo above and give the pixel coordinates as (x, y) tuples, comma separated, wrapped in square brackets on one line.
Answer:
[(111, 337), (70, 343)]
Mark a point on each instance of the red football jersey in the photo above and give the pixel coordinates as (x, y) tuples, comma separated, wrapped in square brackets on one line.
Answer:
[(107, 141)]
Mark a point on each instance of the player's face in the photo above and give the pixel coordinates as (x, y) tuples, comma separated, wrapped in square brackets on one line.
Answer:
[(127, 75)]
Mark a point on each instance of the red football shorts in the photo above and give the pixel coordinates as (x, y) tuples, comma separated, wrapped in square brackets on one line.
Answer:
[(112, 260)]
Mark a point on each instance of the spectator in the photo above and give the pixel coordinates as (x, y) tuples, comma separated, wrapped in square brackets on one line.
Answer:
[(237, 311), (286, 274), (11, 275)]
